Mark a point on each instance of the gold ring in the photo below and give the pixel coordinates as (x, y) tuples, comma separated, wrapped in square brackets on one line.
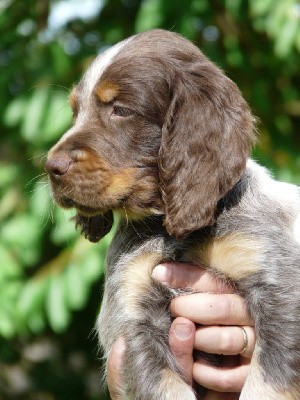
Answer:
[(245, 339)]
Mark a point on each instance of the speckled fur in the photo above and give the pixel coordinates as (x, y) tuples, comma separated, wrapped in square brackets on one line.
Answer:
[(167, 150)]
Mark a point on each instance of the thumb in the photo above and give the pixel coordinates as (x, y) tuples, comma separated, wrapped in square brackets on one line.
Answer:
[(181, 340)]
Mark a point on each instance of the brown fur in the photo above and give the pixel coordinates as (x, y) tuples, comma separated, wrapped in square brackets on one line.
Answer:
[(161, 136), (73, 101), (192, 124)]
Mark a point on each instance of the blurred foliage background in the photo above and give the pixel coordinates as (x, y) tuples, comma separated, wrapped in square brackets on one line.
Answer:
[(50, 278)]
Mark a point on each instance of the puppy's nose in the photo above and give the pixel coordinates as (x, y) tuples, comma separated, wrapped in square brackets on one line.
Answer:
[(58, 165)]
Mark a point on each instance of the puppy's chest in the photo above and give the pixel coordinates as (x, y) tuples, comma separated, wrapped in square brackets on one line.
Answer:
[(132, 259), (235, 255)]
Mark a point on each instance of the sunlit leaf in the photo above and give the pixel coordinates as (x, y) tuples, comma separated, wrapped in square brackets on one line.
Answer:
[(92, 266), (32, 296), (10, 268), (56, 305), (35, 112), (259, 7), (64, 230), (36, 321), (58, 116), (149, 15), (15, 111), (22, 235), (76, 288), (41, 203), (7, 325), (8, 173), (287, 37)]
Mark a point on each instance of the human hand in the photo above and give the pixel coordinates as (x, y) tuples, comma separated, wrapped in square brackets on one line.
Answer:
[(221, 314), (214, 305)]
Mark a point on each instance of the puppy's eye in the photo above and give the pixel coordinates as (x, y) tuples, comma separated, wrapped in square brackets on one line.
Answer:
[(122, 111)]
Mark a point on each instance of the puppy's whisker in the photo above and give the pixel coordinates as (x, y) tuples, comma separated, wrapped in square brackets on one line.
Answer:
[(35, 178), (41, 156)]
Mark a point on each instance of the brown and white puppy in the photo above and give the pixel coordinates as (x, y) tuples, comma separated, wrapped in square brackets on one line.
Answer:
[(162, 137)]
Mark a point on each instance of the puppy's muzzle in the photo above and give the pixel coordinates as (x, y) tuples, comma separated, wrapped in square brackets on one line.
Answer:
[(58, 165)]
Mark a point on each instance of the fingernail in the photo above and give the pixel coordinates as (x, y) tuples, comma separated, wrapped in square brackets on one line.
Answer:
[(183, 331), (161, 273)]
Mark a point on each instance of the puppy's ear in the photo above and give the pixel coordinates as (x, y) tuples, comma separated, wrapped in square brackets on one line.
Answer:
[(94, 228), (206, 140)]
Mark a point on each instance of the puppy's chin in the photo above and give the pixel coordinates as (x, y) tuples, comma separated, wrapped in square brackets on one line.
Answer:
[(93, 224), (84, 210), (94, 228)]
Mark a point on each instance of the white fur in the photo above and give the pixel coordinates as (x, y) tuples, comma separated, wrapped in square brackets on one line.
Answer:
[(285, 193), (98, 66), (296, 229), (90, 79)]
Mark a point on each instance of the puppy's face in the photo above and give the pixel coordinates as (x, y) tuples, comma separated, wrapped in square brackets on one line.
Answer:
[(108, 159), (158, 129)]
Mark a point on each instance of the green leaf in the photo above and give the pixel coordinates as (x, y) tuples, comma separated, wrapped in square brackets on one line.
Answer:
[(58, 116), (36, 321), (199, 7), (149, 16), (76, 287), (287, 37), (56, 306), (22, 235), (14, 111), (259, 7), (9, 267), (41, 202), (34, 113), (92, 266), (32, 297), (64, 230), (8, 173), (7, 326), (62, 63), (234, 7), (10, 318)]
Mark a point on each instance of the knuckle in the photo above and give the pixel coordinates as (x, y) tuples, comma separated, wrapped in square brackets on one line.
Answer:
[(226, 383), (226, 341), (226, 308)]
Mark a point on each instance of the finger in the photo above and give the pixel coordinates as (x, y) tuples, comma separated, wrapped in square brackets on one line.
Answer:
[(114, 369), (230, 379), (181, 340), (212, 309), (195, 278), (227, 340)]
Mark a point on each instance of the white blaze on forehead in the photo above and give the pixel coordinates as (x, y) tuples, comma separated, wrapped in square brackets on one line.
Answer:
[(89, 81), (99, 65)]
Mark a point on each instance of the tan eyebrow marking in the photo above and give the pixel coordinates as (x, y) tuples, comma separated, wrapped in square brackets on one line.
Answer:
[(73, 100), (107, 91)]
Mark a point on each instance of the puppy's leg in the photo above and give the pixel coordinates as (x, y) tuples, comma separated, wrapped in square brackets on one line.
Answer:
[(137, 308), (257, 388), (151, 371)]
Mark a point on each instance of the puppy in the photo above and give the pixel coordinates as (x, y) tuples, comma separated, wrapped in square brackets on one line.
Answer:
[(162, 137)]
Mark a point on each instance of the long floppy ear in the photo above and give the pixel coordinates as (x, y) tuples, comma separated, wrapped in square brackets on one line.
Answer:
[(94, 228), (206, 140)]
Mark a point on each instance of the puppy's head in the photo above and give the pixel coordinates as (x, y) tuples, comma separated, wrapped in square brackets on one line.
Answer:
[(158, 129)]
